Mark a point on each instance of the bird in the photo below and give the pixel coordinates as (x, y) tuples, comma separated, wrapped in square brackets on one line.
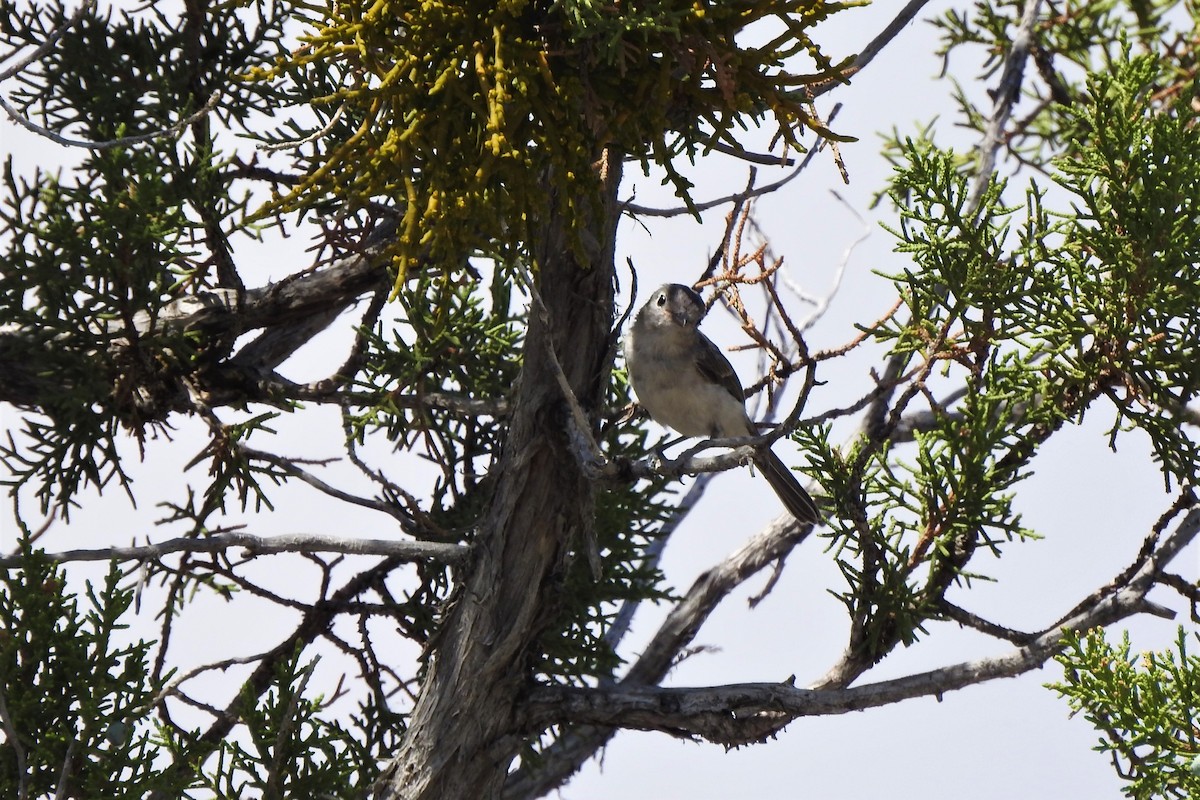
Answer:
[(685, 383)]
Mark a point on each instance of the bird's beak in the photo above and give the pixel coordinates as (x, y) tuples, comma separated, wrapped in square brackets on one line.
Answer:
[(687, 317)]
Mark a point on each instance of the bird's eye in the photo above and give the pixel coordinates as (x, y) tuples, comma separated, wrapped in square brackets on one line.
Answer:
[(662, 299)]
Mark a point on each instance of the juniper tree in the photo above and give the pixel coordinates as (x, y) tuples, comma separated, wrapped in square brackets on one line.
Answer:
[(456, 170)]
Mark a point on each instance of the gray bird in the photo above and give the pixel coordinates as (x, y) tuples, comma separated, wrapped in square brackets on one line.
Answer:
[(686, 383)]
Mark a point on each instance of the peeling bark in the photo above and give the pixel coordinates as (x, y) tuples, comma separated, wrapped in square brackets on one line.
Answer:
[(466, 729)]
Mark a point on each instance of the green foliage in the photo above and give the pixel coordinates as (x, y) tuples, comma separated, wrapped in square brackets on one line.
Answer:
[(128, 231), (462, 111), (449, 338), (1144, 708), (236, 468), (122, 72), (1080, 38), (628, 519), (1036, 315), (1133, 258), (473, 123), (292, 751), (80, 704), (78, 699), (883, 594), (96, 254)]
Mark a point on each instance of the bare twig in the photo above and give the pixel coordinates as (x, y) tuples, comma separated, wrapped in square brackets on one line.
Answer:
[(291, 467), (291, 144), (325, 391), (770, 159), (688, 463), (885, 37), (975, 622), (737, 197), (1006, 96), (64, 775), (109, 144), (173, 686), (776, 574), (438, 552), (587, 452), (50, 40)]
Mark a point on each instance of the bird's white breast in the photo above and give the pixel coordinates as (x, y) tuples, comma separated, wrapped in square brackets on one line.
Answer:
[(681, 398)]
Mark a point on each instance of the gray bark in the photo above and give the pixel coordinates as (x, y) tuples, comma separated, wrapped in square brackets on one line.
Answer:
[(466, 727), (289, 313)]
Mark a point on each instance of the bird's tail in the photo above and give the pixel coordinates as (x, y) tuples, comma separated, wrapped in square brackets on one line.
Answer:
[(791, 493)]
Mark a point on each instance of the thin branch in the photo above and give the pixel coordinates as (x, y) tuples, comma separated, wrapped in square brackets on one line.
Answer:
[(564, 757), (738, 714), (275, 389), (1188, 590), (1151, 550), (978, 623), (405, 551), (726, 714), (737, 197), (1127, 591), (64, 775), (357, 358), (250, 588), (883, 417), (318, 134), (776, 574), (10, 731), (769, 159), (1006, 94), (743, 448), (885, 37), (290, 466), (623, 470), (171, 132), (462, 404), (51, 40), (172, 687)]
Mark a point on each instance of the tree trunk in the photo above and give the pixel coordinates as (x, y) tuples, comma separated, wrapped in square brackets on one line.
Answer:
[(462, 735)]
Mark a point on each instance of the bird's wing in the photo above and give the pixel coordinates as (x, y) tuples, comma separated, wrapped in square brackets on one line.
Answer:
[(715, 367)]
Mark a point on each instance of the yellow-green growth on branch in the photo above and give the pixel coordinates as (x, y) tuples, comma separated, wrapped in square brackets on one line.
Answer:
[(476, 118)]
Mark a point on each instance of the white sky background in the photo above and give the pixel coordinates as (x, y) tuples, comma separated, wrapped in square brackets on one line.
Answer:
[(1005, 739)]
